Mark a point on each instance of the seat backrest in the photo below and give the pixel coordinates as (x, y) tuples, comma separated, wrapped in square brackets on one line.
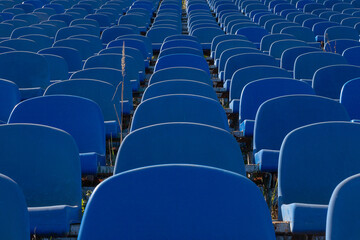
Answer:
[(351, 55), (46, 150), (20, 44), (259, 91), (80, 117), (221, 38), (66, 32), (248, 74), (9, 97), (301, 33), (98, 91), (71, 56), (328, 81), (26, 69), (179, 87), (58, 67), (232, 52), (14, 220), (279, 116), (317, 151), (254, 34), (308, 63), (343, 208), (182, 60), (112, 33), (278, 47), (341, 32), (179, 108), (83, 46), (349, 97), (197, 195), (289, 55), (190, 143), (245, 60), (180, 43), (188, 73), (267, 40), (226, 44), (340, 45)]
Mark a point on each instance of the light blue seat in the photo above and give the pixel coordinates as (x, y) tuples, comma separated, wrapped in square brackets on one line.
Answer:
[(340, 45), (257, 92), (349, 97), (308, 63), (190, 143), (352, 55), (187, 73), (254, 34), (246, 75), (314, 151), (14, 222), (341, 221), (80, 117), (71, 56), (289, 55), (278, 47), (29, 71), (182, 60), (179, 108), (328, 81), (268, 40), (112, 76), (198, 196), (279, 116), (83, 46), (179, 86), (50, 214), (245, 60), (341, 32), (104, 94), (114, 60), (9, 97)]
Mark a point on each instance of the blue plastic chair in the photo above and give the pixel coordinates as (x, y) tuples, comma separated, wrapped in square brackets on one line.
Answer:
[(112, 76), (191, 143), (280, 46), (6, 29), (180, 43), (66, 32), (254, 34), (42, 41), (144, 39), (9, 98), (322, 145), (49, 29), (268, 40), (80, 117), (320, 28), (28, 17), (58, 68), (187, 73), (246, 75), (205, 35), (113, 60), (195, 195), (21, 45), (65, 17), (50, 214), (179, 108), (289, 56), (95, 41), (221, 38), (158, 35), (308, 63), (131, 42), (182, 60), (226, 44), (340, 45), (179, 87), (71, 56), (103, 20), (342, 208), (29, 71), (18, 32), (83, 46), (351, 55), (133, 52), (112, 33), (15, 218), (257, 92), (277, 27), (341, 32), (301, 33), (279, 116), (328, 81), (84, 21), (245, 60), (104, 94), (136, 19)]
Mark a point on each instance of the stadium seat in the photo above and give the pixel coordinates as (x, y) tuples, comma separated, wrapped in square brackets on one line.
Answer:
[(289, 56), (314, 151), (9, 97), (189, 200), (349, 98), (352, 55), (71, 56), (80, 117), (48, 157)]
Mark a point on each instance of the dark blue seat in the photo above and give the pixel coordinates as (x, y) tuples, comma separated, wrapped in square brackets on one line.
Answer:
[(104, 94), (179, 87), (182, 60), (277, 27), (112, 33), (50, 214), (195, 195), (278, 47), (343, 207), (289, 55), (21, 45), (328, 80), (58, 67), (190, 143), (131, 42), (246, 75), (279, 116), (254, 34), (268, 40), (29, 71), (314, 151), (6, 29), (158, 35), (226, 44), (352, 55), (18, 32), (80, 117), (14, 222), (205, 35), (340, 45), (349, 97), (112, 76), (308, 63), (301, 33), (65, 17), (42, 41), (320, 28), (9, 97), (180, 43), (71, 56), (83, 46), (187, 73), (179, 108), (221, 38), (66, 32), (341, 32), (257, 92)]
